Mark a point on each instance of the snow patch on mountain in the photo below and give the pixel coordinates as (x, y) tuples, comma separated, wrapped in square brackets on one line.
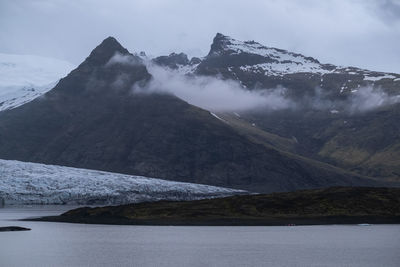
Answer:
[(252, 47), (219, 118), (380, 76), (34, 183), (25, 77), (279, 62), (285, 67), (187, 69)]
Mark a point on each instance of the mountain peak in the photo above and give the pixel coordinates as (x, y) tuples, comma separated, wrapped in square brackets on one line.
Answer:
[(109, 65), (257, 53), (110, 39), (223, 44), (219, 43), (220, 36), (105, 50)]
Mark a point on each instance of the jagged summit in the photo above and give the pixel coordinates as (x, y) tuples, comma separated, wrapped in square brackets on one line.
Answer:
[(249, 57), (179, 62), (173, 60), (219, 43), (253, 57), (220, 35), (105, 50), (223, 44)]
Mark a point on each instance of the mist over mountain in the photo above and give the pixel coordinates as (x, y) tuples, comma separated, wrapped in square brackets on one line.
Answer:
[(345, 116), (273, 79), (116, 113)]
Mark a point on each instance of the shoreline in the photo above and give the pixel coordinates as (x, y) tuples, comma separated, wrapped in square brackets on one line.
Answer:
[(337, 205), (336, 220)]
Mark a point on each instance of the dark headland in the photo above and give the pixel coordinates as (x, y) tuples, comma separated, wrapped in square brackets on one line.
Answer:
[(336, 205), (13, 228)]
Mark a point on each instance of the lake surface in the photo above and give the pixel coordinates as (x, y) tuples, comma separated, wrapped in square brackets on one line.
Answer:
[(63, 244)]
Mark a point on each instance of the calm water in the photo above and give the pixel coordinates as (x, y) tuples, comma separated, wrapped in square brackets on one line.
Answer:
[(62, 244)]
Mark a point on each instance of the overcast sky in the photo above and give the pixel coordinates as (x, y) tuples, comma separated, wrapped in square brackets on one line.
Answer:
[(363, 33)]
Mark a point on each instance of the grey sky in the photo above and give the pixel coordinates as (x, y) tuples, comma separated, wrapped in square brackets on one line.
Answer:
[(363, 33)]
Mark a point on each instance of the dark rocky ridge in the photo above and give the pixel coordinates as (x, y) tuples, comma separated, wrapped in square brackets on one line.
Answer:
[(173, 60), (338, 205), (93, 119)]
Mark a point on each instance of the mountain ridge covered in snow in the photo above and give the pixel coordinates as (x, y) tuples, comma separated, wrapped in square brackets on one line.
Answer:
[(270, 61)]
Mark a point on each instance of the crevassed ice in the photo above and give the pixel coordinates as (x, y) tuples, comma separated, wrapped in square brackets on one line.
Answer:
[(34, 183)]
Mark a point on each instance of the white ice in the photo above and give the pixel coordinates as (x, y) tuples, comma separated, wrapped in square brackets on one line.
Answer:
[(34, 183), (25, 77)]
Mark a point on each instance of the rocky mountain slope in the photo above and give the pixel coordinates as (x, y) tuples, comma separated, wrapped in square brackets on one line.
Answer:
[(97, 118), (345, 116)]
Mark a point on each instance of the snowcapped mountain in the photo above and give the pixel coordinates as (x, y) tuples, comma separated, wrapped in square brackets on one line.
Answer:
[(257, 66), (85, 122), (270, 61), (279, 62), (25, 77), (33, 183), (345, 116)]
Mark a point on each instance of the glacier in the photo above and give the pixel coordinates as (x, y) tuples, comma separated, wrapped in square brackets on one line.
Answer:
[(26, 77), (25, 183)]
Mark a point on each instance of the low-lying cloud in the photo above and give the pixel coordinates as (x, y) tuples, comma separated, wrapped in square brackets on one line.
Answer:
[(216, 94), (368, 98), (363, 99), (220, 95), (213, 93), (119, 58)]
